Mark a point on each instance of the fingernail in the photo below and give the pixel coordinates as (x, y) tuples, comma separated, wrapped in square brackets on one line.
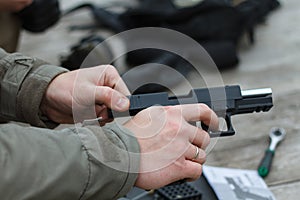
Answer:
[(122, 103)]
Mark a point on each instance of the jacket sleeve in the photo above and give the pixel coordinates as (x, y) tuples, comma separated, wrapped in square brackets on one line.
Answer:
[(73, 163), (23, 83), (83, 162)]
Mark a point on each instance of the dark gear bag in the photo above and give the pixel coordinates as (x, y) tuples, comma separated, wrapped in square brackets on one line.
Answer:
[(216, 24), (40, 15)]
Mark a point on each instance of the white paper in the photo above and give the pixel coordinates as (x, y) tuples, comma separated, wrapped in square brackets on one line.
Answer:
[(237, 184)]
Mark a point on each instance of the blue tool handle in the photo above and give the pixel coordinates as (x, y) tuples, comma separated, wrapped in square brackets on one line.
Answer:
[(266, 163)]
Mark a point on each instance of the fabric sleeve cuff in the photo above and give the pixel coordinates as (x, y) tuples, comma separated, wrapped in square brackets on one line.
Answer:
[(31, 94), (133, 150), (118, 153)]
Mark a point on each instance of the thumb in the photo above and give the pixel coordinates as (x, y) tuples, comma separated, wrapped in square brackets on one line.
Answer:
[(111, 98)]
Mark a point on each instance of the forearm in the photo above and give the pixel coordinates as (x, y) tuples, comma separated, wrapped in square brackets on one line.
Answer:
[(24, 81), (67, 164)]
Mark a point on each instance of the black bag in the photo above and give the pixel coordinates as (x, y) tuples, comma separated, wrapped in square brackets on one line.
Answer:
[(216, 24), (40, 15)]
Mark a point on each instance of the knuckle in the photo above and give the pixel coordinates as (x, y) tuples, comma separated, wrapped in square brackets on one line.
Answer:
[(111, 69), (206, 140), (202, 156), (196, 173), (205, 108), (199, 172), (156, 110), (107, 93), (107, 71), (173, 111)]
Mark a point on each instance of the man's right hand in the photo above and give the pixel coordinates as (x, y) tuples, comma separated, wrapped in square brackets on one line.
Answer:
[(169, 143)]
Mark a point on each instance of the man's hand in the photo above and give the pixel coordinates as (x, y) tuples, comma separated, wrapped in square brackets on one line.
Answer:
[(171, 148), (85, 94), (14, 5)]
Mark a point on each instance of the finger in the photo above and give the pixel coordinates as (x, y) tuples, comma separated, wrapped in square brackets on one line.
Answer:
[(197, 136), (193, 170), (101, 111), (111, 98), (195, 154), (200, 112), (112, 79), (121, 87)]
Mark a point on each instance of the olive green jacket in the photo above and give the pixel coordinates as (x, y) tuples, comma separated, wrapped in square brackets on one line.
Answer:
[(81, 162)]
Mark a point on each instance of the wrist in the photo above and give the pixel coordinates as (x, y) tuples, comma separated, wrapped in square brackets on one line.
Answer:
[(50, 101), (44, 107)]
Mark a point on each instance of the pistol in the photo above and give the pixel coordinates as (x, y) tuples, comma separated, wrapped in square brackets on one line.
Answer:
[(225, 101)]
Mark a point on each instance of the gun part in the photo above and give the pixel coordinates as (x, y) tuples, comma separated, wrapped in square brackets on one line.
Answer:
[(225, 101)]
